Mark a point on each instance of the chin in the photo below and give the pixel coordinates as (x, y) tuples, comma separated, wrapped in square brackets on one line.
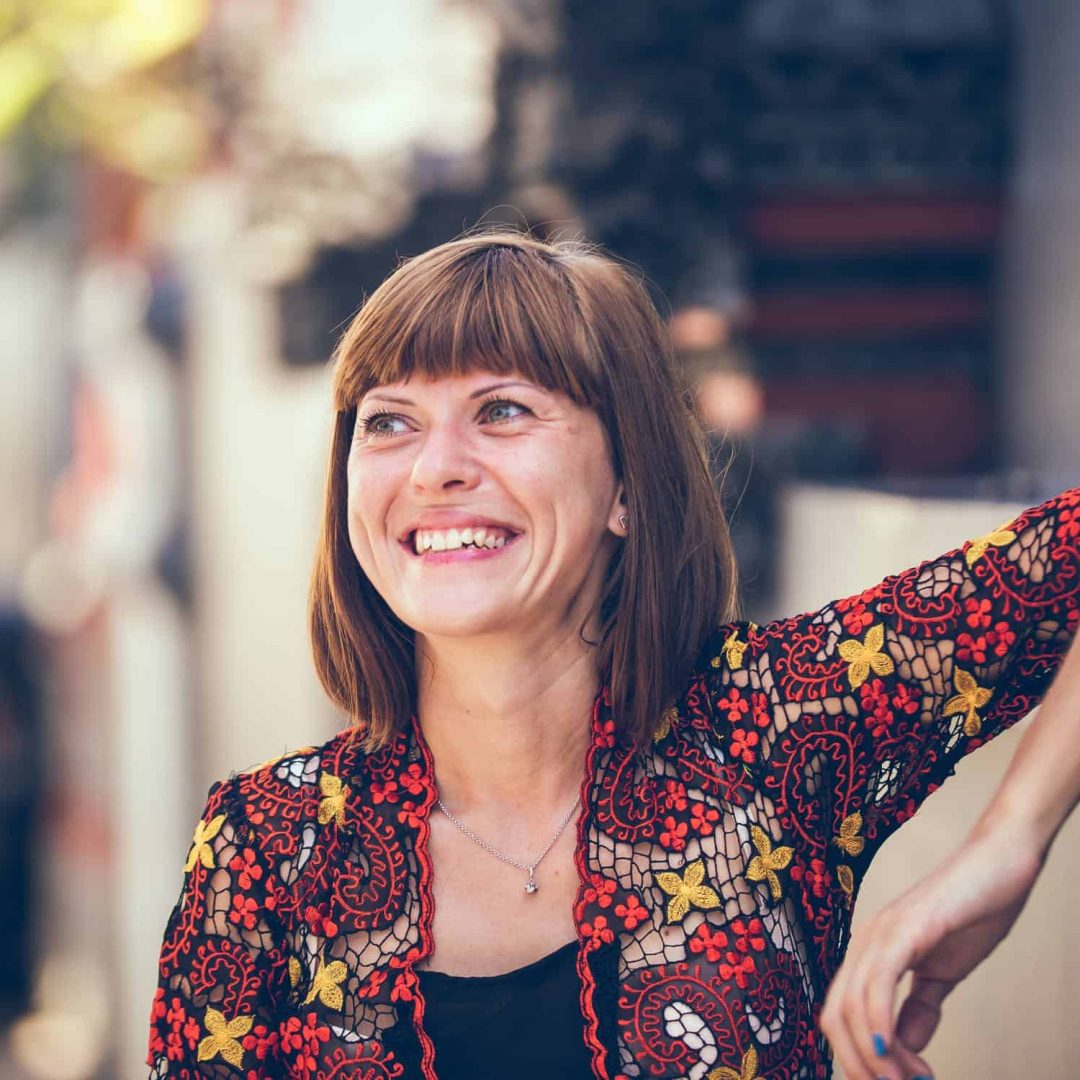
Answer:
[(459, 622)]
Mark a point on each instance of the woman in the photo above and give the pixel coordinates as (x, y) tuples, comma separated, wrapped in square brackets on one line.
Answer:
[(524, 598)]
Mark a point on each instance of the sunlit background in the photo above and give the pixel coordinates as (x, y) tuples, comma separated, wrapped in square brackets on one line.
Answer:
[(861, 217)]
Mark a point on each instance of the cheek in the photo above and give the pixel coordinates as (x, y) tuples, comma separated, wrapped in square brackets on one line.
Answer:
[(363, 514)]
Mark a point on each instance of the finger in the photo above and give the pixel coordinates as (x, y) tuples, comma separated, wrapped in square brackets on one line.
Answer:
[(912, 1065), (846, 1055), (834, 1026), (921, 1012), (869, 1005)]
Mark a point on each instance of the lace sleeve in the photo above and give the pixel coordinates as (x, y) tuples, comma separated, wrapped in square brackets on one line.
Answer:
[(846, 718), (222, 971)]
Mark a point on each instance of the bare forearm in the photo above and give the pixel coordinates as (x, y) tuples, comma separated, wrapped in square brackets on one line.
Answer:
[(1042, 784)]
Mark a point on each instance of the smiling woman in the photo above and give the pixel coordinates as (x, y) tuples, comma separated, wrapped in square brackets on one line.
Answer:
[(575, 336), (524, 599)]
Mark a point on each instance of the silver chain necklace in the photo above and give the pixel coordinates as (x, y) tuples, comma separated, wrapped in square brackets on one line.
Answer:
[(530, 885)]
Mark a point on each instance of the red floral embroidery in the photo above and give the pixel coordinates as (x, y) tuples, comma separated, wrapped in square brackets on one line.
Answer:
[(751, 935), (409, 814), (674, 795), (632, 912), (743, 744), (734, 704), (674, 834), (387, 792), (600, 890), (709, 941), (817, 876), (302, 1039), (373, 984), (245, 911), (245, 868), (598, 931), (703, 818), (262, 1041), (319, 921), (739, 968)]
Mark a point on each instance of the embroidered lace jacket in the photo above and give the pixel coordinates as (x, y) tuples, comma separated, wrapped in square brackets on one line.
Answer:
[(717, 870)]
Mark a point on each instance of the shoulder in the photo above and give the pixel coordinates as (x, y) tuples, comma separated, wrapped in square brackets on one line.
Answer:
[(728, 648), (276, 804)]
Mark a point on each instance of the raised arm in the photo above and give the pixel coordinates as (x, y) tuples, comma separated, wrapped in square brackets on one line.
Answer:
[(847, 717), (946, 925), (222, 969)]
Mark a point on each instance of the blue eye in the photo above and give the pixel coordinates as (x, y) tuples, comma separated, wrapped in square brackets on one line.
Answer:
[(493, 404), (376, 425)]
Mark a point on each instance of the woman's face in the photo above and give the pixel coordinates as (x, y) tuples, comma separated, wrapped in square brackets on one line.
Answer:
[(481, 504)]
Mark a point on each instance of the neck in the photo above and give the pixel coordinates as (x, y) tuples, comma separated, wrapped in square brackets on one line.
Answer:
[(507, 723)]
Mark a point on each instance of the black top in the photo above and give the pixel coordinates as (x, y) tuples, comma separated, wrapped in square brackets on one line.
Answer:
[(530, 1017)]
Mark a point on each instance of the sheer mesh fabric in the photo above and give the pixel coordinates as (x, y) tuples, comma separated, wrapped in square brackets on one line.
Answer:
[(718, 867)]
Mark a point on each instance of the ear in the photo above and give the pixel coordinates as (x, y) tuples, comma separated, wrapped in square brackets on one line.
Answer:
[(619, 509)]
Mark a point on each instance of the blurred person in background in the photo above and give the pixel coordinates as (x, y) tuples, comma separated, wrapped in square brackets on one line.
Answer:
[(525, 600)]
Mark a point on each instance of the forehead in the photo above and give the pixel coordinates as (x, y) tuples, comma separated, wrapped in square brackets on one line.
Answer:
[(470, 385)]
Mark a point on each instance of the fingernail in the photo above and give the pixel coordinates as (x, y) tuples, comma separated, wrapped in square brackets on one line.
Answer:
[(879, 1045), (921, 1077)]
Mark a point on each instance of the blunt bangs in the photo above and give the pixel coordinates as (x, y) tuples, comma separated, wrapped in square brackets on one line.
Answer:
[(461, 308)]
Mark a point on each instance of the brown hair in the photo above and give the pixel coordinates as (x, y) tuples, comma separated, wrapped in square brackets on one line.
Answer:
[(572, 320)]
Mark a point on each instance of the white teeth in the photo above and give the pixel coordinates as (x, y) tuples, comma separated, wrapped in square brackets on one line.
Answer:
[(454, 539)]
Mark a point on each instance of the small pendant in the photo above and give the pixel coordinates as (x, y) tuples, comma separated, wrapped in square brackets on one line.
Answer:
[(530, 885)]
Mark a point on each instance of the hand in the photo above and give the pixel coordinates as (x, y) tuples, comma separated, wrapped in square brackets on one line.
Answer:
[(940, 930)]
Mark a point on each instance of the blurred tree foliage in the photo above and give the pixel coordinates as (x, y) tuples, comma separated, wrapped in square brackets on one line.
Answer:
[(111, 76)]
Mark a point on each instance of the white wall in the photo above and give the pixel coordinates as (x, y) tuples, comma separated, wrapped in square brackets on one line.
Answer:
[(260, 433)]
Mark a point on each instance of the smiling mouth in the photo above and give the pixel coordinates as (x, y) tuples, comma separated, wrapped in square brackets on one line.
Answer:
[(426, 542)]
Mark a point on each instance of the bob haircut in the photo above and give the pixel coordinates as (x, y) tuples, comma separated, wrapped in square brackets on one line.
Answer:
[(572, 320)]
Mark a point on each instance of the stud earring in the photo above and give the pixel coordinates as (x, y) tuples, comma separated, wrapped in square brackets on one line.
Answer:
[(624, 520)]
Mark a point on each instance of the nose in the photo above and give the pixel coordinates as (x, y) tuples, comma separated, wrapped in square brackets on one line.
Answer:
[(444, 460)]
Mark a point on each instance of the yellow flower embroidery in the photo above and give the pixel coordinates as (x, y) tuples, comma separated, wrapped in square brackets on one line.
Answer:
[(325, 984), (201, 851), (849, 839), (223, 1037), (1000, 537), (733, 649), (687, 890), (764, 865), (294, 971), (749, 1069), (846, 878), (970, 697), (666, 720), (864, 656), (332, 805)]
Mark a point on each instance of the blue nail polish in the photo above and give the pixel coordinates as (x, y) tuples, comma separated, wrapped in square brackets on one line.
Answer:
[(879, 1045), (921, 1077)]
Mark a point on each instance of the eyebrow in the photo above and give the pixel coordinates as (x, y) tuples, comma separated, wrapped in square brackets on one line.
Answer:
[(475, 394)]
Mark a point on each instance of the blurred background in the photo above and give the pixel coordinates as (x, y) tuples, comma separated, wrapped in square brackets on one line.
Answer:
[(861, 217)]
